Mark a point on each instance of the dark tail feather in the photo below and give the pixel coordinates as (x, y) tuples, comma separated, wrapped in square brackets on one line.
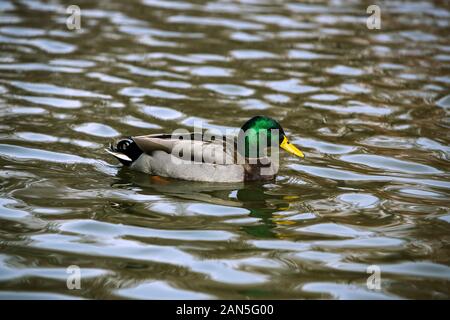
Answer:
[(125, 150)]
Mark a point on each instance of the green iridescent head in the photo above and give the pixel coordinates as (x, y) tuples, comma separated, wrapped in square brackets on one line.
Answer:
[(261, 127)]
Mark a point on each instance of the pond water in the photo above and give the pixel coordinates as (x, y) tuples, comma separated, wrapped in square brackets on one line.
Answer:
[(370, 109)]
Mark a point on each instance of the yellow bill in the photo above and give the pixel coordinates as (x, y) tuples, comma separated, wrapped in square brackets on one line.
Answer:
[(289, 147)]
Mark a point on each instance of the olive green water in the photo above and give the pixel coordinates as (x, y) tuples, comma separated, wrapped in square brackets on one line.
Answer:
[(368, 107)]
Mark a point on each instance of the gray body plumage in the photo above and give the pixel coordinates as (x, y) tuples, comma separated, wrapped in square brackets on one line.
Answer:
[(162, 164), (194, 160)]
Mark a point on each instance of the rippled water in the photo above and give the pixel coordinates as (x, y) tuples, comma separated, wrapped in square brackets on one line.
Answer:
[(368, 107)]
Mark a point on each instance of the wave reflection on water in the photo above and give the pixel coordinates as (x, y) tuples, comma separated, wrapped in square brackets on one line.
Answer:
[(369, 107)]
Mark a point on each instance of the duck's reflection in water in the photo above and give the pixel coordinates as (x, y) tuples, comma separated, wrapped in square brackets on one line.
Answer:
[(251, 196)]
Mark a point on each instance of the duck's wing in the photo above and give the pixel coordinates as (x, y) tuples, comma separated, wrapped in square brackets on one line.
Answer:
[(187, 147), (155, 142)]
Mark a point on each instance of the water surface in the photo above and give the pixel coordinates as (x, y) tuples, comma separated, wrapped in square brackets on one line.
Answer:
[(368, 107)]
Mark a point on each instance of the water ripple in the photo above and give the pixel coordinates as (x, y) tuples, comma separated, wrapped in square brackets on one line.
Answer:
[(369, 108)]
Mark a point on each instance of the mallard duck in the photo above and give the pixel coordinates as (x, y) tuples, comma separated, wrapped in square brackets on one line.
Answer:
[(198, 158)]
